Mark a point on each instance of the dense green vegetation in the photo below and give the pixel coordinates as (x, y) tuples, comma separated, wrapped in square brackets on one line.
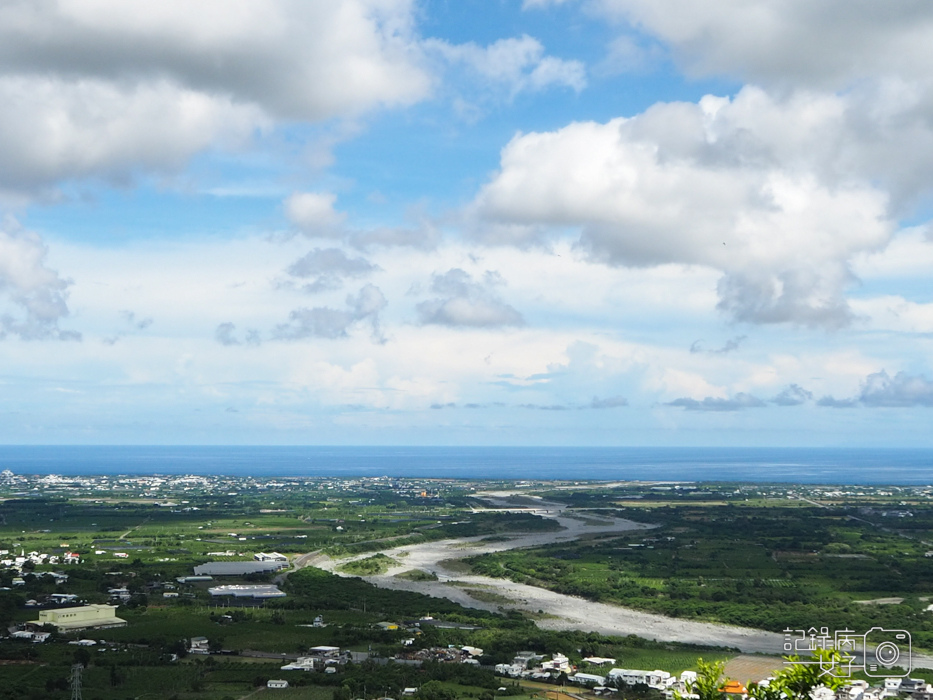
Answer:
[(771, 567), (139, 654), (376, 564), (758, 556), (315, 589)]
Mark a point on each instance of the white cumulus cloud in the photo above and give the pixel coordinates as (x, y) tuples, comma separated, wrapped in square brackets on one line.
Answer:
[(465, 302), (112, 86), (518, 64), (823, 44), (314, 215), (33, 297), (747, 186)]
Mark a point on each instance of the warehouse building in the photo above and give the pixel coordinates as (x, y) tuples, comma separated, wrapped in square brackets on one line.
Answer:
[(237, 568), (245, 594), (83, 618)]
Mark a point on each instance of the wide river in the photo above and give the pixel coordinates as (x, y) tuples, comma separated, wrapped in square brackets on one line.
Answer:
[(555, 611)]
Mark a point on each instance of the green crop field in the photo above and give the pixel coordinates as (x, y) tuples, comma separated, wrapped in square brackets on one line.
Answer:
[(752, 555)]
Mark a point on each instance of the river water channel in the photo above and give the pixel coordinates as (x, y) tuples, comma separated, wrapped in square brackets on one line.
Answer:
[(551, 610)]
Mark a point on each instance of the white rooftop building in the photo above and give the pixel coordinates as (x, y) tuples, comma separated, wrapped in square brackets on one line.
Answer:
[(587, 679), (257, 591), (270, 556)]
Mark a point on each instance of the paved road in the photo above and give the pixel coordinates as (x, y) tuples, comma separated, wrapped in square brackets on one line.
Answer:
[(298, 562)]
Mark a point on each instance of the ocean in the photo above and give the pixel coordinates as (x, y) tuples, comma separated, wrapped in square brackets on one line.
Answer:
[(780, 465)]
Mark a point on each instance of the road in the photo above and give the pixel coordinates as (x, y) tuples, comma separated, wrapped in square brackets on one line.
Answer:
[(298, 562)]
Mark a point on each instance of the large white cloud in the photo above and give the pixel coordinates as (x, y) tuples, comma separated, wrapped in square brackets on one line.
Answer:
[(299, 59), (763, 189), (33, 297), (105, 88), (58, 129), (824, 44), (868, 62), (101, 87)]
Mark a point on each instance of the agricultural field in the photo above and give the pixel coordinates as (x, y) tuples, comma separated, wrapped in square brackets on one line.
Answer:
[(759, 557)]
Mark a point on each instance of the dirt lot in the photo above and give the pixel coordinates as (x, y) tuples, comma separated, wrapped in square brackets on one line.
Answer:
[(747, 668)]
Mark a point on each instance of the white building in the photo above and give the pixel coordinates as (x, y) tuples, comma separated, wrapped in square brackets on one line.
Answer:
[(85, 617), (629, 676), (34, 637), (660, 679), (599, 660), (270, 556), (304, 663), (63, 598), (558, 662), (121, 594), (198, 645), (256, 591), (590, 679)]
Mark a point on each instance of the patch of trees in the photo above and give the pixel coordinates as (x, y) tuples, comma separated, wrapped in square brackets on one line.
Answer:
[(769, 568), (312, 588)]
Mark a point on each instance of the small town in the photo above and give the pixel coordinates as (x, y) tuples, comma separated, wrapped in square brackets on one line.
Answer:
[(466, 349), (437, 589)]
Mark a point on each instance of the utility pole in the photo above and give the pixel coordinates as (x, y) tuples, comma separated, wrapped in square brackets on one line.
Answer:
[(76, 681)]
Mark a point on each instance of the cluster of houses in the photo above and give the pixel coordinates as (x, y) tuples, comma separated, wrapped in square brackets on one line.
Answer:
[(56, 576), (526, 665), (22, 564), (26, 635), (913, 688), (531, 666), (900, 687), (14, 561)]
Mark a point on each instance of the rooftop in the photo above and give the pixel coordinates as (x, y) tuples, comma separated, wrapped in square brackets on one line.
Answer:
[(247, 590)]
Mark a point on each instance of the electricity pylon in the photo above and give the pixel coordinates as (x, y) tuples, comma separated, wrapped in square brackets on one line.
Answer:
[(76, 681)]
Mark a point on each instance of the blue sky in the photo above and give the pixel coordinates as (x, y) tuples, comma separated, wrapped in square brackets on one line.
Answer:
[(572, 222)]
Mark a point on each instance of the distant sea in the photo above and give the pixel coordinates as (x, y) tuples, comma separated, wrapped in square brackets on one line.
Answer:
[(783, 465)]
